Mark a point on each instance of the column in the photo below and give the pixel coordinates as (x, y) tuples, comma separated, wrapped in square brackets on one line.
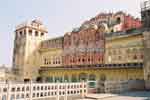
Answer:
[(53, 79), (147, 59)]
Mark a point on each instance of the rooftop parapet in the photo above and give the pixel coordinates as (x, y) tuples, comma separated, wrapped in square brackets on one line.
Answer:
[(123, 33), (54, 43), (37, 24)]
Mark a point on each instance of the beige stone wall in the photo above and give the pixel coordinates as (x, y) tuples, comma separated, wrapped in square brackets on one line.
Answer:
[(32, 56), (114, 74), (51, 58), (147, 59), (124, 49), (51, 53)]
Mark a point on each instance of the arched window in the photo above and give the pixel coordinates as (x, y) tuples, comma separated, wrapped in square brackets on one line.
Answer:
[(119, 58), (83, 60), (92, 77), (148, 77), (24, 32), (20, 33), (79, 59), (73, 78), (83, 76), (30, 32), (89, 59), (118, 20), (141, 56), (66, 78), (45, 61), (128, 51), (42, 34), (102, 77), (36, 33), (97, 36), (112, 30)]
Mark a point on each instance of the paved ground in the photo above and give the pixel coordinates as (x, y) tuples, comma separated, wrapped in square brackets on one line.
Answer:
[(140, 95), (125, 98)]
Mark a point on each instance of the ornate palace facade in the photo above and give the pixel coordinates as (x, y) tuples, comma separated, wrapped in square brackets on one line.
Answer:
[(108, 47)]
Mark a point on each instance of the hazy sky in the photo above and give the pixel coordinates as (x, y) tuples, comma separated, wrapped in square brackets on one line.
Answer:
[(58, 15)]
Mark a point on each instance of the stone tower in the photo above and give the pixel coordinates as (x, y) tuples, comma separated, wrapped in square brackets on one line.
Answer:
[(147, 58), (145, 15), (28, 36)]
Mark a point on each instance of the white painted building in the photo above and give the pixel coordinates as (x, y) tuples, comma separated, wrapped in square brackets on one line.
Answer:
[(6, 74)]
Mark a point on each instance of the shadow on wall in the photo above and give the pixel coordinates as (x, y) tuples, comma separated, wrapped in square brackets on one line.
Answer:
[(134, 85)]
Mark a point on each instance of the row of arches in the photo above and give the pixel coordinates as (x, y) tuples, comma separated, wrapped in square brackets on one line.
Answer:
[(75, 78), (92, 79)]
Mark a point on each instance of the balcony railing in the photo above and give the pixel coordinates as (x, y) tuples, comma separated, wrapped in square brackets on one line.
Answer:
[(31, 91), (96, 66)]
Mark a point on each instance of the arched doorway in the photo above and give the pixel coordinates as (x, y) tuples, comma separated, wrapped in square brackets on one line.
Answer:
[(92, 77), (39, 79), (58, 79), (103, 77), (66, 78), (83, 77), (26, 80), (74, 78), (49, 79)]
